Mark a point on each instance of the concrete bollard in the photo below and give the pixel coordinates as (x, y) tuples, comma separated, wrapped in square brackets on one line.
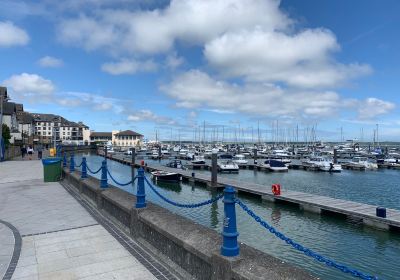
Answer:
[(214, 168), (84, 171), (65, 160), (103, 180), (230, 247), (72, 164), (140, 192)]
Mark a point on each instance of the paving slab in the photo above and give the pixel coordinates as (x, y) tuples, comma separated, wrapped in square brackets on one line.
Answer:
[(60, 239)]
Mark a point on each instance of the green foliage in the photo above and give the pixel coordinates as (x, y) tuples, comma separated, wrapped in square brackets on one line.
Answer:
[(6, 134)]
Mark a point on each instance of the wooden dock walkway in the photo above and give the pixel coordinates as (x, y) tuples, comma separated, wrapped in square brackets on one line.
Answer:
[(307, 202)]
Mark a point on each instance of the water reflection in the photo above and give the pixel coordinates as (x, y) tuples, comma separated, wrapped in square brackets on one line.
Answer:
[(172, 186), (214, 210), (276, 216)]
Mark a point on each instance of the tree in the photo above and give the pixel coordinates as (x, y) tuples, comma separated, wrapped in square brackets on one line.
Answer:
[(6, 135)]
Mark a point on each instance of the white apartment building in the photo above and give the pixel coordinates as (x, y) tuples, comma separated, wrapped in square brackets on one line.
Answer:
[(50, 128)]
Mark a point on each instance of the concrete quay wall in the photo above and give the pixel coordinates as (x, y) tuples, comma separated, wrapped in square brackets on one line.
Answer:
[(190, 246)]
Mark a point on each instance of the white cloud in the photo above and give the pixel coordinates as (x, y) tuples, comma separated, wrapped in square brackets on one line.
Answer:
[(173, 61), (11, 35), (373, 107), (147, 115), (95, 102), (157, 31), (196, 89), (126, 66), (299, 60), (30, 85), (49, 61)]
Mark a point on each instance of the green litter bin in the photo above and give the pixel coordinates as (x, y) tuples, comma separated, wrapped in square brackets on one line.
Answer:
[(52, 169)]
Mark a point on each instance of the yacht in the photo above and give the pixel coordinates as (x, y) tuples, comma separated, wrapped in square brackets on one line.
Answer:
[(155, 155), (240, 159), (363, 162), (323, 164), (227, 166), (198, 160), (275, 165), (176, 163)]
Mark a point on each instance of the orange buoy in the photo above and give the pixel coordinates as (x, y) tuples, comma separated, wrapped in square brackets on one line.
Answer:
[(142, 163)]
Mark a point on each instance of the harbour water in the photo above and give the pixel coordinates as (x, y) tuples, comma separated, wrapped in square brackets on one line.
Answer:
[(348, 242)]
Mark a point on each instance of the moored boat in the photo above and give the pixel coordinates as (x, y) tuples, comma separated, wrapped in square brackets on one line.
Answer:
[(274, 165), (165, 176), (322, 164), (228, 166), (240, 159), (198, 160)]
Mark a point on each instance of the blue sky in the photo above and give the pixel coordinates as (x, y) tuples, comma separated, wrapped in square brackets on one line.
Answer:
[(172, 66)]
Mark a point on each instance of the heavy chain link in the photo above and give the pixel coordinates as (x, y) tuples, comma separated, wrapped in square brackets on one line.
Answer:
[(195, 205), (301, 248), (87, 166), (118, 183)]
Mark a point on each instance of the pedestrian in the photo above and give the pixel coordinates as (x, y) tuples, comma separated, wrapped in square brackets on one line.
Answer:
[(30, 152), (23, 151), (40, 151)]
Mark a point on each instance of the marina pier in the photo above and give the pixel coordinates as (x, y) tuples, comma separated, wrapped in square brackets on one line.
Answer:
[(307, 202)]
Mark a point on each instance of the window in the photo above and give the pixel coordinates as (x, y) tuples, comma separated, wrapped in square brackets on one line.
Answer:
[(38, 133)]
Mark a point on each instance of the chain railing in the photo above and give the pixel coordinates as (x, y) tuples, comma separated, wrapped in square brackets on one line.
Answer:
[(305, 250), (230, 245), (177, 204), (93, 172), (118, 183)]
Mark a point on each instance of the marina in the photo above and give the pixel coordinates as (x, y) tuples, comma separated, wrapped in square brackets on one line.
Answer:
[(309, 202), (304, 225)]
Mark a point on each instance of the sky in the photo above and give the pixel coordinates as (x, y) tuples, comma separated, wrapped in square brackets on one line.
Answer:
[(243, 69)]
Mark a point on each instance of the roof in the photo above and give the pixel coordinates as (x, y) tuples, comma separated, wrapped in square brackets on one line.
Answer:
[(24, 118), (9, 108), (56, 118), (3, 91), (47, 118), (128, 133), (101, 134)]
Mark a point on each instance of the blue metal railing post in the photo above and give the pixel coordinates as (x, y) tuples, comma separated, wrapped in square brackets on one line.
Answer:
[(103, 180), (72, 164), (140, 193), (229, 246), (65, 160), (84, 171)]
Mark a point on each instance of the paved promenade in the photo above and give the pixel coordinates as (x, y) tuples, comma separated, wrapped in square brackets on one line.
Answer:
[(60, 239)]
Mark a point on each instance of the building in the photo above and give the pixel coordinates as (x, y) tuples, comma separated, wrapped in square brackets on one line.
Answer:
[(50, 128), (34, 128), (100, 137), (26, 127), (10, 119), (126, 138)]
